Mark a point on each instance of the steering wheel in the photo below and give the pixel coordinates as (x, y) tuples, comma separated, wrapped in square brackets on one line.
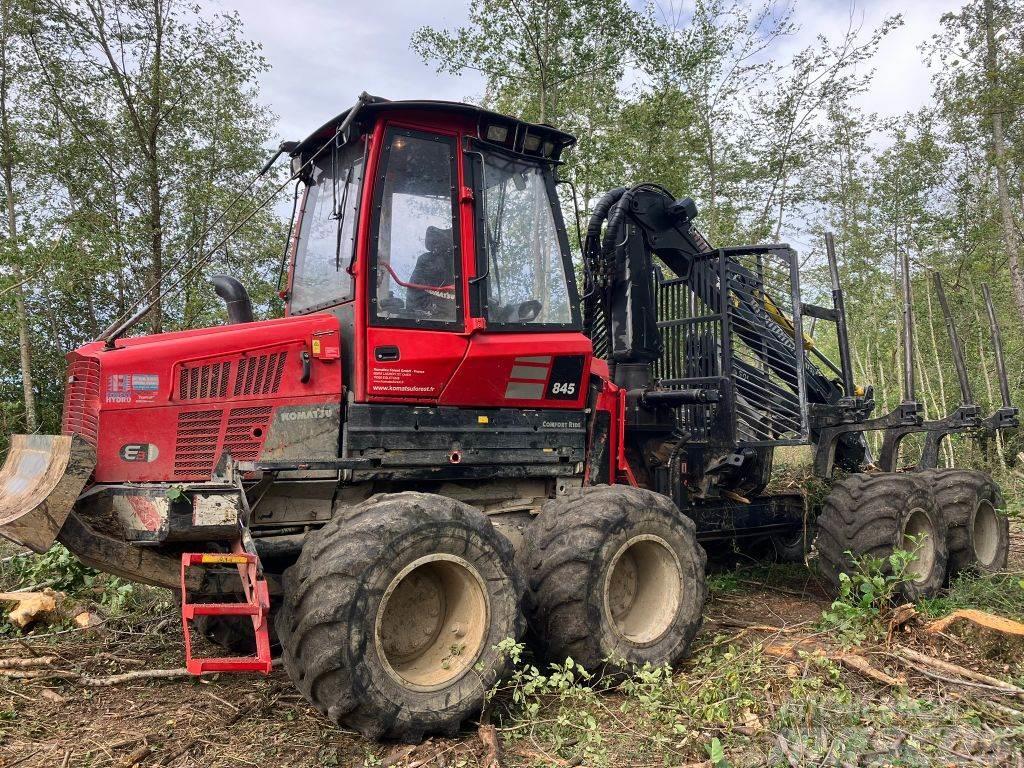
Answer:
[(524, 312), (529, 311)]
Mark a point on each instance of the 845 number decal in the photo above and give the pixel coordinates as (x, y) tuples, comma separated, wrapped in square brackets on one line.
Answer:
[(566, 374)]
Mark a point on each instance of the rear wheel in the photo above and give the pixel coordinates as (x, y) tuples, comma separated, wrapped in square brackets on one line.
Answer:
[(876, 514), (979, 532), (615, 578), (391, 615)]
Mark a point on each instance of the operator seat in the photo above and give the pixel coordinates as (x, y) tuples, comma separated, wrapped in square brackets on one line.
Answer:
[(434, 270)]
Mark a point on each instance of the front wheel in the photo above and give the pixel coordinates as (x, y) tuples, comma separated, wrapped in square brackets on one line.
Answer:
[(615, 579), (392, 615)]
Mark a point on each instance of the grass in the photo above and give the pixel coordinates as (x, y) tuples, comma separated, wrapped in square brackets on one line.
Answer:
[(738, 705), (763, 575), (1000, 593), (735, 702)]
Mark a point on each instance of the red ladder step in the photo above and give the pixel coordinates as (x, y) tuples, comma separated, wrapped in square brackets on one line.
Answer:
[(256, 606)]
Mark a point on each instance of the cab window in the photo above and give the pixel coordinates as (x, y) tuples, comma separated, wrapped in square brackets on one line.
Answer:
[(327, 235), (416, 259), (526, 265)]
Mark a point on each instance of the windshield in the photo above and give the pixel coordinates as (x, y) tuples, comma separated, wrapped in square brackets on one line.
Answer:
[(327, 237), (526, 273)]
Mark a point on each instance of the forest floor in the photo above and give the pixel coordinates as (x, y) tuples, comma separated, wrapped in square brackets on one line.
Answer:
[(776, 677)]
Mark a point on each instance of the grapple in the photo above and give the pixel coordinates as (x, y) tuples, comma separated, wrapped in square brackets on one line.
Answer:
[(39, 483)]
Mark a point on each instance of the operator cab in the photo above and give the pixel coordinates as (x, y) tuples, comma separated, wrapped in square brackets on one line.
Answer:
[(429, 228)]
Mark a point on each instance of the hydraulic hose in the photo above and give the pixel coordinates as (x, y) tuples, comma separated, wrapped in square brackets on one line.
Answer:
[(600, 213)]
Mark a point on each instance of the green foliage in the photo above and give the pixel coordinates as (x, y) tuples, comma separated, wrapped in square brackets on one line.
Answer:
[(716, 754), (866, 594), (177, 494), (60, 570), (57, 568), (711, 101), (129, 126), (566, 691), (1001, 593)]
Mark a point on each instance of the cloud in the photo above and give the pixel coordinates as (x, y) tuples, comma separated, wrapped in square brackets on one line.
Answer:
[(902, 81), (323, 54)]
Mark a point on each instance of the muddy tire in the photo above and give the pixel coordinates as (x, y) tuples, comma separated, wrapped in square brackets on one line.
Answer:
[(873, 514), (614, 574), (233, 634), (979, 533), (391, 615)]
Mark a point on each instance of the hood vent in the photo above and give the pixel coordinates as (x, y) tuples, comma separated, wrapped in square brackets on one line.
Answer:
[(254, 376)]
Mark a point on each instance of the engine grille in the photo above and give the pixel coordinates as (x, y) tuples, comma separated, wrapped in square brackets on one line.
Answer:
[(195, 447), (260, 375), (204, 436), (246, 430), (81, 399)]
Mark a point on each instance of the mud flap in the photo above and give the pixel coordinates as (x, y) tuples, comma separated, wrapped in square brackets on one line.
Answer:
[(39, 483)]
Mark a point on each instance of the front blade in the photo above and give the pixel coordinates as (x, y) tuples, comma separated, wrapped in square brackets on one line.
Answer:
[(39, 483)]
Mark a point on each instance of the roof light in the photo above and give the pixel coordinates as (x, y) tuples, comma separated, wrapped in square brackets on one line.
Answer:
[(549, 149), (497, 133), (532, 143)]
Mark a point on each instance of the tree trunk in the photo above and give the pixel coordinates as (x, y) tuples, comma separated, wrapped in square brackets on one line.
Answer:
[(21, 313), (999, 156), (153, 137)]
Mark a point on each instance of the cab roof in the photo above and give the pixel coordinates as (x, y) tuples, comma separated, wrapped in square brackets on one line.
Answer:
[(492, 127)]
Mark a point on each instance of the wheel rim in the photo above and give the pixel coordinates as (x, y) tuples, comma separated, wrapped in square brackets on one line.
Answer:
[(643, 589), (919, 526), (985, 533), (432, 622)]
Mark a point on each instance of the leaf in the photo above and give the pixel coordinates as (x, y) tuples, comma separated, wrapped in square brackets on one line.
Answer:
[(716, 753)]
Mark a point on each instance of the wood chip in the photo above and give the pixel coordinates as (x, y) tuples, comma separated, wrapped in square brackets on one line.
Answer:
[(31, 606)]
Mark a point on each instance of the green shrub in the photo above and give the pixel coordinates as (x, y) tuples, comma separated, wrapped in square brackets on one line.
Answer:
[(866, 594), (60, 570)]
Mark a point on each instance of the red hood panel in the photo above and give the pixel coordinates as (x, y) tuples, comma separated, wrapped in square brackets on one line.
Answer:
[(166, 407)]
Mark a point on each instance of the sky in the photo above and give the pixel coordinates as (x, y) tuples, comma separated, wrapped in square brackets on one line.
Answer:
[(323, 53)]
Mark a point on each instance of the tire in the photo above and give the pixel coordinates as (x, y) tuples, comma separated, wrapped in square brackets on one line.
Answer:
[(871, 514), (234, 634), (792, 547), (979, 534), (391, 615), (615, 578)]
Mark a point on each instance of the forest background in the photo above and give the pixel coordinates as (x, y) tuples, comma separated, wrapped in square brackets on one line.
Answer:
[(128, 128)]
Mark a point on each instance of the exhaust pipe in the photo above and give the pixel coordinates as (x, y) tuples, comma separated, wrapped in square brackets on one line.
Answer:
[(235, 297)]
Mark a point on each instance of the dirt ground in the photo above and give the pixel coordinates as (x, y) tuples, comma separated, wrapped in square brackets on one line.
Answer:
[(738, 691)]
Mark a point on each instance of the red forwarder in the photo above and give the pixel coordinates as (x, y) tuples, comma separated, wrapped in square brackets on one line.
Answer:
[(442, 440)]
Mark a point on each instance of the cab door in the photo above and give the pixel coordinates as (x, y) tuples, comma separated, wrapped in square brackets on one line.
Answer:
[(416, 326)]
